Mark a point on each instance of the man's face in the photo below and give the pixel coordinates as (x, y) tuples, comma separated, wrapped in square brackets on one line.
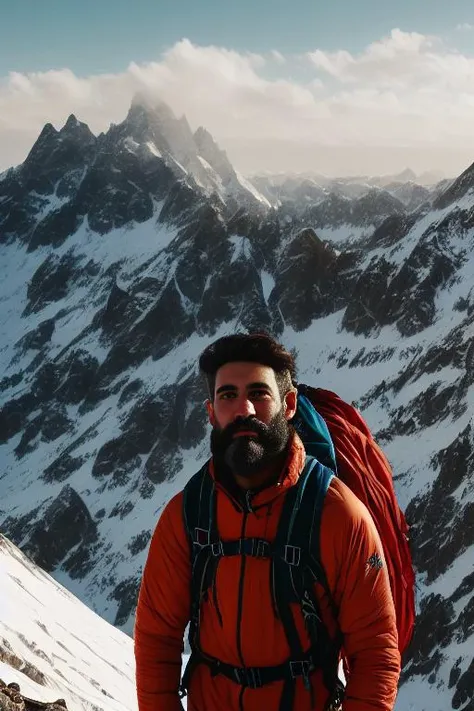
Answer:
[(249, 418)]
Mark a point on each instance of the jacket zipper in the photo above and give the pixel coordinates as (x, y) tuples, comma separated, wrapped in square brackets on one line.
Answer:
[(241, 594), (247, 510)]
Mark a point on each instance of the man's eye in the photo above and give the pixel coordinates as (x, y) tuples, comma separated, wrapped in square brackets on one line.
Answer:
[(226, 396), (259, 394)]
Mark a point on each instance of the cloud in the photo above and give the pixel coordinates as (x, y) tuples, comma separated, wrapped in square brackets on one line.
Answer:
[(405, 98), (465, 27), (278, 57)]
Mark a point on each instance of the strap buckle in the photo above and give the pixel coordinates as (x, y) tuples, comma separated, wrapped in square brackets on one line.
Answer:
[(292, 555), (262, 549), (302, 668), (217, 549), (201, 537), (248, 677)]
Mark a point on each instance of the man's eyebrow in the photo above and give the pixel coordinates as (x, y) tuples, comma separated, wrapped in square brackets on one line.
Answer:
[(226, 388), (260, 386), (250, 386)]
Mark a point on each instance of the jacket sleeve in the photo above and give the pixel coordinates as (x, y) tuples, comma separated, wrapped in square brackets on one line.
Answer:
[(352, 554), (163, 612)]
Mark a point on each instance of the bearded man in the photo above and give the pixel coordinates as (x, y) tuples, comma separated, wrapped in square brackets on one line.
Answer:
[(243, 655)]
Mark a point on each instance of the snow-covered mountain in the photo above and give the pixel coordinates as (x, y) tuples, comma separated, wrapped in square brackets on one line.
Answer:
[(54, 647), (386, 195), (120, 263)]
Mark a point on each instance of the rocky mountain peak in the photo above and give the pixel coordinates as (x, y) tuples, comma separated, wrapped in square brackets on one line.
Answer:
[(75, 130), (217, 158), (457, 189)]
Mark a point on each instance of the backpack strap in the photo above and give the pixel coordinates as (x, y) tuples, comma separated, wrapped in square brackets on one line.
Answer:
[(200, 515), (313, 431), (295, 572)]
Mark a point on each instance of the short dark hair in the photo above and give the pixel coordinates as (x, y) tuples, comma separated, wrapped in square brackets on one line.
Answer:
[(251, 348)]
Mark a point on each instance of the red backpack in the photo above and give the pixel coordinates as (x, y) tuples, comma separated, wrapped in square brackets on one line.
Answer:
[(363, 467)]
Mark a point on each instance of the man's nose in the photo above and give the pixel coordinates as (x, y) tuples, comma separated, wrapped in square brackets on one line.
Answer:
[(245, 408)]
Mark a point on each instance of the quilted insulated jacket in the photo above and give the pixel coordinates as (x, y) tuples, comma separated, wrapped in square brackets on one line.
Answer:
[(244, 631)]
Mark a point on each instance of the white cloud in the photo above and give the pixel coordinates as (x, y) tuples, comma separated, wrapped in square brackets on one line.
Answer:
[(465, 27), (278, 57), (405, 99)]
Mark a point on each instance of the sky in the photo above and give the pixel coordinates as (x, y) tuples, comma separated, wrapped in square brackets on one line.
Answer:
[(283, 85)]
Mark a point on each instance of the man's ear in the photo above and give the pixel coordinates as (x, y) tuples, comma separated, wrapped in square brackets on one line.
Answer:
[(290, 404), (210, 412)]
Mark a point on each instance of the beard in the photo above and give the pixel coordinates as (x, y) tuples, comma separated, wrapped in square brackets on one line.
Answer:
[(246, 455)]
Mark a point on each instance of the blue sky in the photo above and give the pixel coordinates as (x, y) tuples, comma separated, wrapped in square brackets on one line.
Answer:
[(96, 36), (335, 86)]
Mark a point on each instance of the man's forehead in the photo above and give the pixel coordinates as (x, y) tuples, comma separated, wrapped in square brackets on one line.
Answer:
[(243, 372)]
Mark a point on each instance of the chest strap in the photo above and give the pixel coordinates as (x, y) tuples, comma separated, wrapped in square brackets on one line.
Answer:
[(253, 547)]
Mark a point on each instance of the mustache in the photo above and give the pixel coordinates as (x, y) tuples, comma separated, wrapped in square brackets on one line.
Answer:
[(251, 424)]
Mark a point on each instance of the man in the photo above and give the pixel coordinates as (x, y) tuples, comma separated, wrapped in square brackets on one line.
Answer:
[(257, 458)]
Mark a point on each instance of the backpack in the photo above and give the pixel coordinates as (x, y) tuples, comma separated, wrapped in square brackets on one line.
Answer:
[(333, 433), (363, 467)]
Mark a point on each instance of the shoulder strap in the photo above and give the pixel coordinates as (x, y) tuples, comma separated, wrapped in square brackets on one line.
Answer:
[(296, 567), (200, 510), (313, 430), (297, 540), (200, 520)]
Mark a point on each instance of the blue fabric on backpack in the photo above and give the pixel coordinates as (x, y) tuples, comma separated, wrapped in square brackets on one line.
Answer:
[(314, 432)]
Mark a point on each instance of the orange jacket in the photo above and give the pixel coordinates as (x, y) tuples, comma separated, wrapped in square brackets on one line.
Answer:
[(360, 591)]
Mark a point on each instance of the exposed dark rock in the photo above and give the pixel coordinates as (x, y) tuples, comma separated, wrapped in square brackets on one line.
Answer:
[(365, 308), (451, 351), (16, 528), (433, 630), (306, 281), (429, 407), (38, 337), (454, 464), (164, 462), (62, 468), (143, 426), (392, 231), (365, 211), (121, 509), (465, 688), (14, 415), (165, 325), (466, 618), (8, 656), (119, 311), (81, 561), (51, 281), (146, 488), (49, 425), (455, 673), (65, 524), (466, 587), (55, 228), (139, 542), (131, 391), (179, 204), (441, 518), (10, 381), (184, 427), (11, 698), (234, 292), (78, 376), (126, 594), (456, 190)]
